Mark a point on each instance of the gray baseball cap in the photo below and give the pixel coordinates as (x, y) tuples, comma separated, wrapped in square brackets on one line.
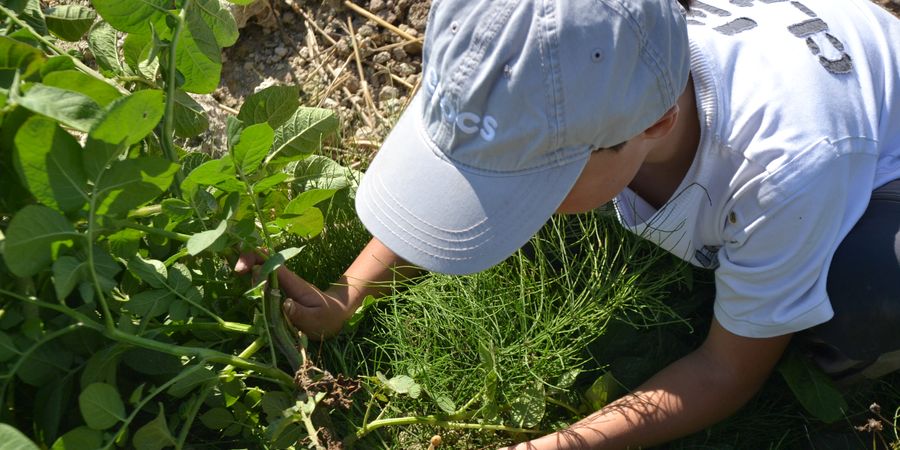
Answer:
[(515, 94)]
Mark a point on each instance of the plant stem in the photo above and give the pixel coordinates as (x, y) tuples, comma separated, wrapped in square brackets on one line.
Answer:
[(168, 131), (271, 304), (177, 350), (192, 413), (435, 421), (234, 327), (563, 405), (251, 350), (151, 230)]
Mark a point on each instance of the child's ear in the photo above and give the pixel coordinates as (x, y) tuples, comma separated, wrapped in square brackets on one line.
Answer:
[(664, 125)]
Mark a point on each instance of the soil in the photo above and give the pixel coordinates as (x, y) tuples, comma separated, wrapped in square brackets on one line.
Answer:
[(324, 46), (311, 43)]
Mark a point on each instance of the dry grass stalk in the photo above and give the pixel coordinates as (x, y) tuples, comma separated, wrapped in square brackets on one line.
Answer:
[(363, 84), (365, 13)]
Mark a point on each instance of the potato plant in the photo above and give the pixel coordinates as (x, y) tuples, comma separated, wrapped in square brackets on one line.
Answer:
[(121, 323)]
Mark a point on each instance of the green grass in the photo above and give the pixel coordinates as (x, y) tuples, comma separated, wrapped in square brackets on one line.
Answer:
[(591, 297)]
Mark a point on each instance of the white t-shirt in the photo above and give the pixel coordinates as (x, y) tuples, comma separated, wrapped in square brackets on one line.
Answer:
[(799, 105)]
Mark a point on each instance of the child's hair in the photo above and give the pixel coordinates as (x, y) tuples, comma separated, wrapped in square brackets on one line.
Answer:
[(686, 4)]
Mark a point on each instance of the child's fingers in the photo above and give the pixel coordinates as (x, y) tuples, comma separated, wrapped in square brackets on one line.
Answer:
[(247, 260)]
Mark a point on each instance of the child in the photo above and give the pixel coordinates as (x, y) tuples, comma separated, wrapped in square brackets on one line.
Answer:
[(745, 136)]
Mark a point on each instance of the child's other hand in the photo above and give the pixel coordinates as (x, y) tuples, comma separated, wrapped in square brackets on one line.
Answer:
[(316, 313)]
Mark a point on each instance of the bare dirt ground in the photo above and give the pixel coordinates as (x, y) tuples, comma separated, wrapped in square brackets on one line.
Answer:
[(361, 59)]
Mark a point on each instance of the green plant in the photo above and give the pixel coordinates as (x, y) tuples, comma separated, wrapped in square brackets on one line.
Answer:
[(502, 354), (120, 322)]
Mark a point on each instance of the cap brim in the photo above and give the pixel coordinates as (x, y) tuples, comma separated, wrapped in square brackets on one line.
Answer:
[(448, 219)]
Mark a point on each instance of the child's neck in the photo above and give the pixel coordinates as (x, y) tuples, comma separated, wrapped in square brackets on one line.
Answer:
[(670, 159)]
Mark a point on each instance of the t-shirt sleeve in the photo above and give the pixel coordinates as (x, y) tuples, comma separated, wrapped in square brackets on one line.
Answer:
[(773, 266)]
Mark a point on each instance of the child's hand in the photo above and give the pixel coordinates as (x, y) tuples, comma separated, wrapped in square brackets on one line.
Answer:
[(316, 313)]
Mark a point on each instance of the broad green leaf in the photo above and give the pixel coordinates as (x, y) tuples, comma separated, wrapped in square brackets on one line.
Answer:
[(252, 146), (527, 409), (445, 404), (219, 19), (102, 366), (13, 439), (269, 182), (233, 128), (70, 22), (101, 406), (306, 224), (274, 105), (202, 240), (30, 12), (56, 64), (124, 243), (51, 403), (177, 210), (151, 303), (68, 273), (149, 271), (198, 57), (190, 118), (131, 183), (179, 279), (232, 390), (76, 81), (303, 133), (217, 418), (274, 262), (78, 439), (491, 407), (103, 40), (218, 172), (33, 238), (813, 388), (45, 365), (130, 119), (155, 434), (7, 347), (189, 381), (404, 384), (132, 16), (71, 108), (49, 160), (141, 55), (18, 55), (307, 200), (319, 172)]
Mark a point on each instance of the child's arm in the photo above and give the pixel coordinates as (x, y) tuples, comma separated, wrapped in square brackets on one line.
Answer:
[(321, 314), (692, 393)]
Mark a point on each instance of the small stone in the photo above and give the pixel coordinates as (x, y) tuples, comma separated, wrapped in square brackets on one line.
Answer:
[(343, 46), (365, 30), (376, 5), (329, 103), (288, 18), (404, 70), (281, 51), (382, 58), (352, 85), (399, 54), (249, 65), (388, 93)]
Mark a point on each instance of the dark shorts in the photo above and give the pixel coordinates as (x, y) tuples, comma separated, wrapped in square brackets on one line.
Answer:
[(863, 338)]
